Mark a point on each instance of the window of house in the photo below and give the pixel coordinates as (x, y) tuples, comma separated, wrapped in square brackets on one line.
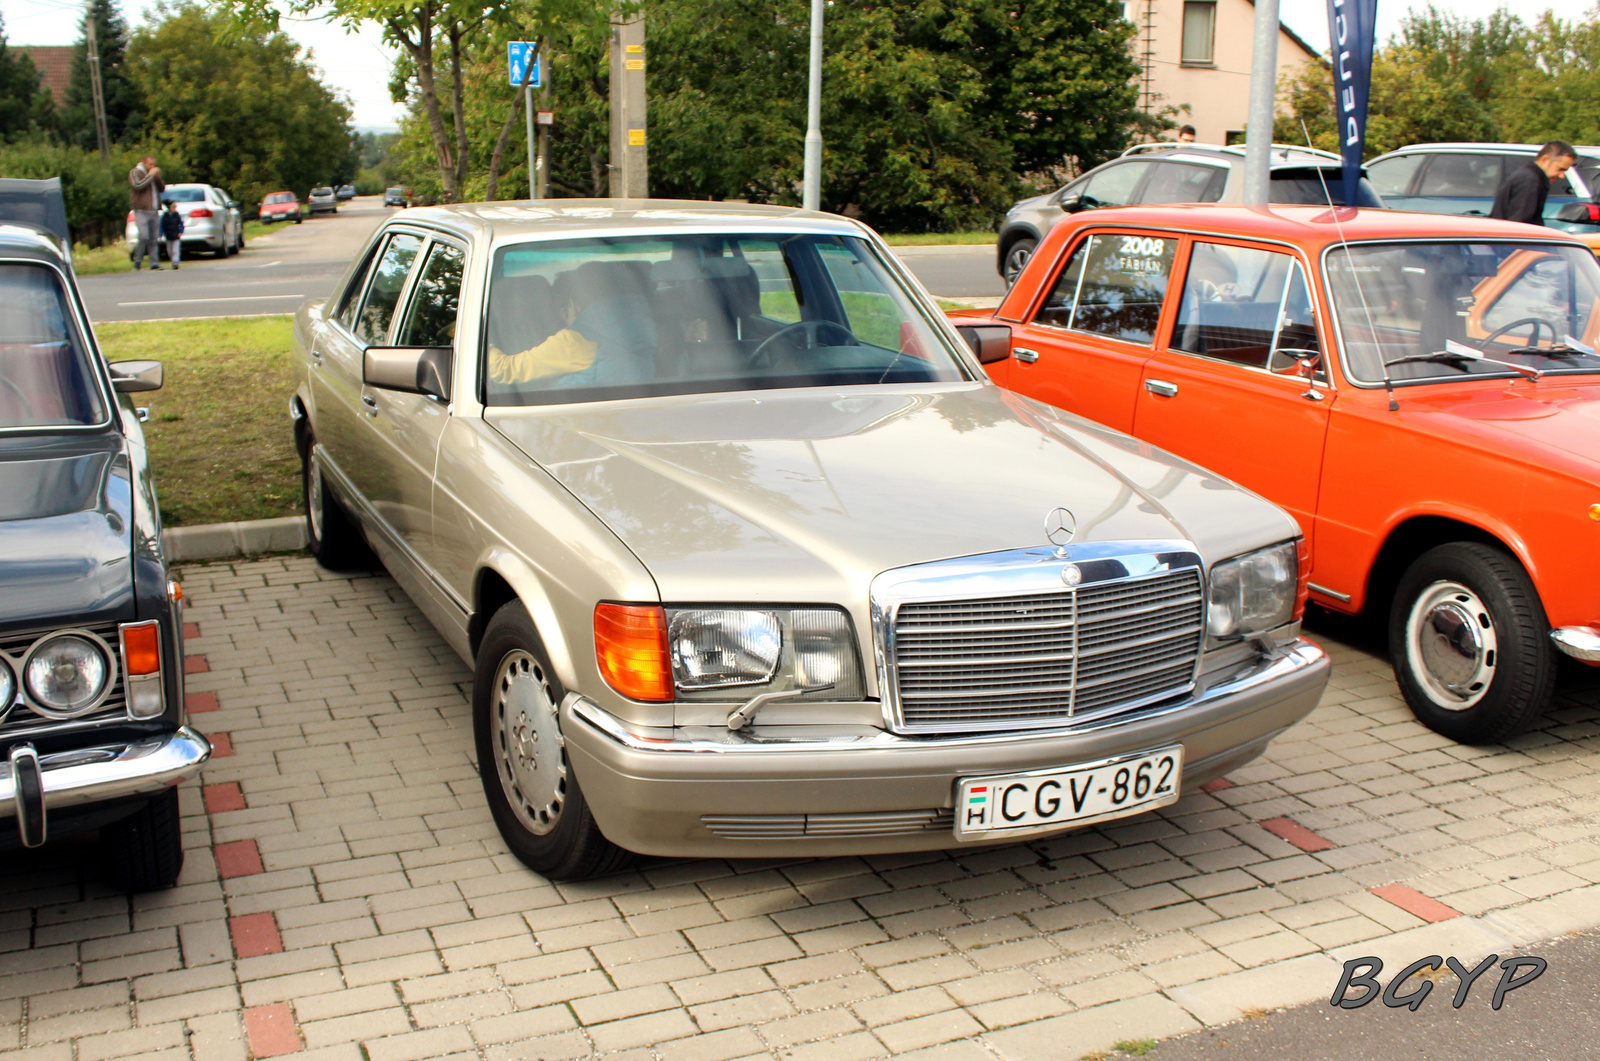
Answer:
[(1199, 30)]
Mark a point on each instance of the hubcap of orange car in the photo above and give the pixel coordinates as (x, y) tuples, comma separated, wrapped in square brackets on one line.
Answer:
[(1451, 645), (528, 748)]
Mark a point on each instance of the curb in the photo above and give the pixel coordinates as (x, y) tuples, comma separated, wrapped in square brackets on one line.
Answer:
[(220, 541)]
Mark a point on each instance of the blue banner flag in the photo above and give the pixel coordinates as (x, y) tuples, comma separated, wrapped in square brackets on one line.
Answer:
[(519, 54), (1352, 27)]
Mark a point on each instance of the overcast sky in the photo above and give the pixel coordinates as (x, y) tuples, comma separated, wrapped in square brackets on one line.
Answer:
[(357, 65)]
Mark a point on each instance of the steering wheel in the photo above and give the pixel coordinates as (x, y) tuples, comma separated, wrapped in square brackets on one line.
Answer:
[(1533, 336), (760, 357)]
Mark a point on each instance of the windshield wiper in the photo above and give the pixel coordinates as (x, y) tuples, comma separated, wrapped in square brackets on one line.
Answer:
[(1455, 353), (1568, 349)]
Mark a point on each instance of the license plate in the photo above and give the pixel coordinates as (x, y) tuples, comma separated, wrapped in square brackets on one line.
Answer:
[(1073, 795)]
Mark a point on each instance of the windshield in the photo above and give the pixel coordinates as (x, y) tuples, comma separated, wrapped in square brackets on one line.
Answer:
[(279, 197), (1312, 186), (45, 374), (599, 319), (184, 195), (1523, 303), (321, 191)]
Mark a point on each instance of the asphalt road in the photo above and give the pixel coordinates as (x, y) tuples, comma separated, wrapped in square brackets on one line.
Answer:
[(1555, 1017), (277, 272)]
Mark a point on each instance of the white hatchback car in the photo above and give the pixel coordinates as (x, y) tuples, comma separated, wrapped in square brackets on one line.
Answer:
[(211, 220)]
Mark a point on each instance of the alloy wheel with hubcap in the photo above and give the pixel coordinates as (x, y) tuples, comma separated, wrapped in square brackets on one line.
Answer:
[(335, 541), (1017, 256), (530, 756), (1470, 643)]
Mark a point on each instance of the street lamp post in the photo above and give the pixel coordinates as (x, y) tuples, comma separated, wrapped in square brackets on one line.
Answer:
[(811, 194), (1263, 92)]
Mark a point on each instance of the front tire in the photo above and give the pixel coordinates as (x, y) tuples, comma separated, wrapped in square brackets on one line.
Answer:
[(1017, 255), (333, 537), (1469, 642), (144, 851), (527, 777)]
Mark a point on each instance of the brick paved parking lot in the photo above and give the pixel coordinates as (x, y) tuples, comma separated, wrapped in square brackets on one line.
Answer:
[(346, 895)]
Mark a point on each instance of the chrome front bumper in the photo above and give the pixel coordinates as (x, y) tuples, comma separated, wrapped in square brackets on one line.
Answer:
[(664, 791), (110, 772), (1579, 642)]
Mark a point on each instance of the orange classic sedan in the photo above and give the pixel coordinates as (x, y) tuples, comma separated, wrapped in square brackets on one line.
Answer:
[(1421, 392)]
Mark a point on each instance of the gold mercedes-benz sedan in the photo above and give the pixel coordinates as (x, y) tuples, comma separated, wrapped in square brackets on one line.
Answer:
[(751, 559)]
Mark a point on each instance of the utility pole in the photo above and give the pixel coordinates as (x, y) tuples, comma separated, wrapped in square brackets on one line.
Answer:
[(92, 48), (811, 189), (630, 160), (1263, 93), (541, 186)]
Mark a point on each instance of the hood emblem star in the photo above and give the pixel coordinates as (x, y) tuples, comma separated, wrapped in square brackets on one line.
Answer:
[(1060, 527)]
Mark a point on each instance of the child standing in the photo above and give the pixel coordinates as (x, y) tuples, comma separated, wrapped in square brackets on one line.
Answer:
[(172, 232)]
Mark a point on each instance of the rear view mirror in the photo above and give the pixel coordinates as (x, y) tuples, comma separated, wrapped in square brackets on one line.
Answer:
[(1071, 203), (414, 369), (128, 377), (989, 342)]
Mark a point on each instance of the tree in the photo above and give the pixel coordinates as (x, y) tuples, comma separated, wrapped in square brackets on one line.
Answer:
[(75, 119), (244, 109), (24, 107)]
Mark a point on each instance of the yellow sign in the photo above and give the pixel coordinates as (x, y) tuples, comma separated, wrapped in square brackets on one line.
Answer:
[(635, 137), (634, 49), (634, 64)]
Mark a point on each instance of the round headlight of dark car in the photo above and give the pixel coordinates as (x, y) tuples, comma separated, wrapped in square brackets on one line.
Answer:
[(66, 675), (8, 688)]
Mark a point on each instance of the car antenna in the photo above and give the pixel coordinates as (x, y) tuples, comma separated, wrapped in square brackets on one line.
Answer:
[(1388, 381)]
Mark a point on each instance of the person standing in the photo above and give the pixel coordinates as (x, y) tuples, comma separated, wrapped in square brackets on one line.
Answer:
[(172, 232), (1185, 134), (1522, 194), (145, 180)]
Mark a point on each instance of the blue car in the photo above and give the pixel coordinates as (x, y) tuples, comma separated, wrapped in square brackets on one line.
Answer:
[(1463, 178), (93, 733)]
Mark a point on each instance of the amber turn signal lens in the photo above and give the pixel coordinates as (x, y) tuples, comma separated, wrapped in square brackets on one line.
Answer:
[(1302, 589), (630, 644), (141, 647)]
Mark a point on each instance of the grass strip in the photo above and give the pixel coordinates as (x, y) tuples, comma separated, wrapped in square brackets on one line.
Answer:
[(221, 445), (940, 239), (113, 257)]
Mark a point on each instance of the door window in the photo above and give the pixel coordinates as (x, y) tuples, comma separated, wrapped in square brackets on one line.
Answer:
[(1393, 176), (1114, 185), (435, 300), (1181, 182), (1462, 176), (388, 279), (1245, 305), (1113, 285)]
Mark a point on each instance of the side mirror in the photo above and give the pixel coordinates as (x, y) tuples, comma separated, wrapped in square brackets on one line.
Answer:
[(128, 377), (414, 369), (1582, 213), (1071, 203), (233, 204), (989, 342)]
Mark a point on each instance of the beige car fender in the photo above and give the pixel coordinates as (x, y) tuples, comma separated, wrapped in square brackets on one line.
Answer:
[(527, 584)]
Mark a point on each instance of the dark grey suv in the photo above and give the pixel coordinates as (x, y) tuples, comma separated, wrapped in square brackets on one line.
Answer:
[(1172, 173)]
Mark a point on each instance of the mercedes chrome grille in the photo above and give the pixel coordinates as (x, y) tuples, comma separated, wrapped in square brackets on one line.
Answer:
[(1044, 653)]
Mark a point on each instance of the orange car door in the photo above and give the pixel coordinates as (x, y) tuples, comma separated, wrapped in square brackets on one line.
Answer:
[(1084, 347), (1229, 389)]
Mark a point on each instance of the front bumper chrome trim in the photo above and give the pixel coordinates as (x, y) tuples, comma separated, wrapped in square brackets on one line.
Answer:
[(113, 771), (1300, 656), (1579, 642)]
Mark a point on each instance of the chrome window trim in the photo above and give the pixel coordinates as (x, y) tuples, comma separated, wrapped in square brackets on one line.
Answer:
[(1017, 572), (1338, 332), (97, 361)]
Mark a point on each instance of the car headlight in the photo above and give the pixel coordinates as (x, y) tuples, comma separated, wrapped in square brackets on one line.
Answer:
[(8, 688), (67, 674), (1253, 593), (727, 654)]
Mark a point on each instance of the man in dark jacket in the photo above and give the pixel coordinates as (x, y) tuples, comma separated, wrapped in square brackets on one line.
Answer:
[(1521, 196), (145, 202)]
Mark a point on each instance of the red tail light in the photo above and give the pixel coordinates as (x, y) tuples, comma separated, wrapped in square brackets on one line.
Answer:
[(1594, 212), (201, 212), (130, 217)]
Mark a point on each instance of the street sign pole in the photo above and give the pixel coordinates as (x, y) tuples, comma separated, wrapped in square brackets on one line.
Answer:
[(1263, 93), (811, 191), (519, 56)]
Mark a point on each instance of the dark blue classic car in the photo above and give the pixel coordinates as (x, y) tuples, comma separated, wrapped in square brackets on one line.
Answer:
[(92, 724)]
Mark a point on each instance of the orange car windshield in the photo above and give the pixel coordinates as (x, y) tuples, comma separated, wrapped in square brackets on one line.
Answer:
[(1447, 309)]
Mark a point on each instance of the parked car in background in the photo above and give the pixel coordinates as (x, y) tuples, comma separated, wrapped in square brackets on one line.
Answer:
[(346, 192), (212, 221), (395, 196), (281, 206), (1421, 392), (323, 201), (92, 725), (751, 559), (1165, 172), (1463, 179)]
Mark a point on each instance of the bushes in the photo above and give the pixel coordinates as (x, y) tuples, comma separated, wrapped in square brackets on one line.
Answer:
[(369, 182), (96, 193)]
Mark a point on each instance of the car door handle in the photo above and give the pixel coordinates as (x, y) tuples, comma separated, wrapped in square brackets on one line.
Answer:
[(1022, 353), (1161, 387), (371, 404)]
